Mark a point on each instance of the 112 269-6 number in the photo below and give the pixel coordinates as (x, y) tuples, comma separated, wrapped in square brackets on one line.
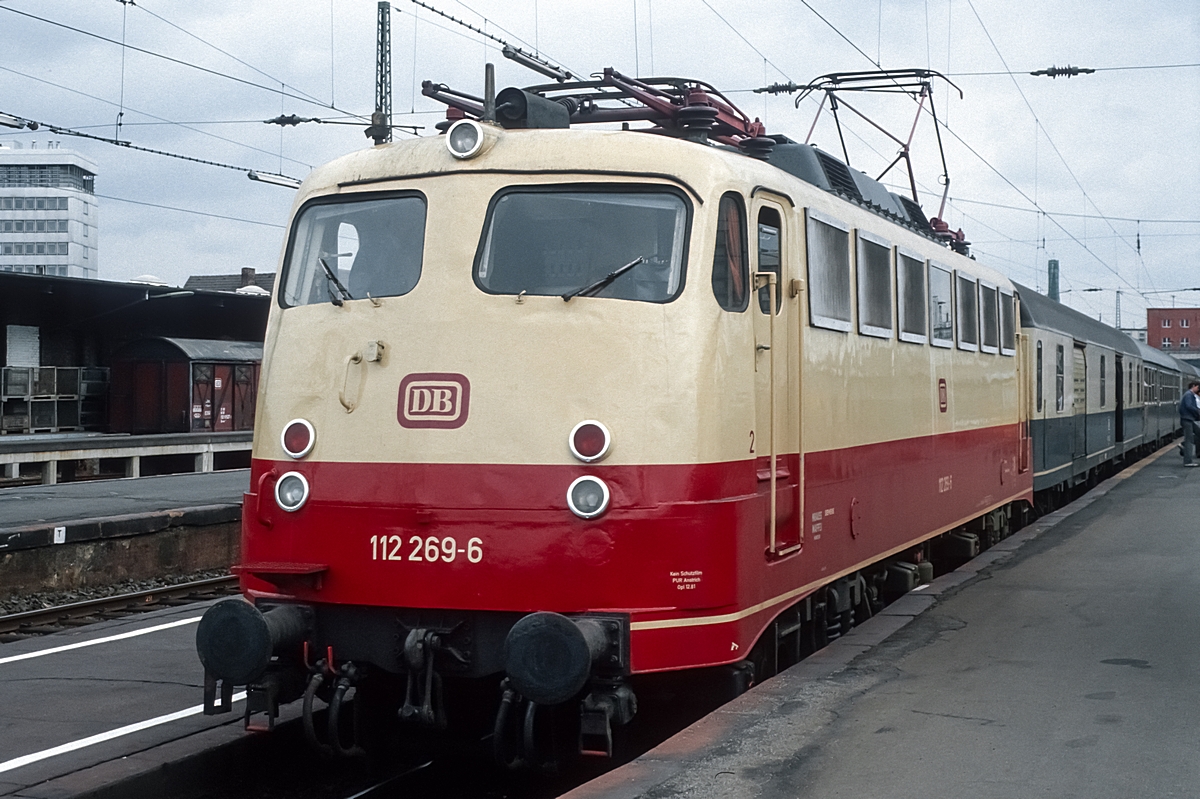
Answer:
[(429, 550)]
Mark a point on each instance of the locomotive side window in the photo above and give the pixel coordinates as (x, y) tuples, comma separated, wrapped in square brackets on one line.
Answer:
[(352, 249), (769, 259), (828, 273), (731, 264), (941, 304), (968, 314), (874, 286), (1008, 326), (910, 294), (1059, 379), (989, 322), (1039, 376), (558, 240)]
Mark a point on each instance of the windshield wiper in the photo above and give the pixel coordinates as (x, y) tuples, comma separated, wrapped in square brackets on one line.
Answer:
[(334, 282), (604, 281)]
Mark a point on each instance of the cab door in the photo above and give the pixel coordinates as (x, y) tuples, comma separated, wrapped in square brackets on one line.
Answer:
[(778, 459)]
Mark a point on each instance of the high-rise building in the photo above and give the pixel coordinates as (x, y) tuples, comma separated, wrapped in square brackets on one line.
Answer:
[(48, 211)]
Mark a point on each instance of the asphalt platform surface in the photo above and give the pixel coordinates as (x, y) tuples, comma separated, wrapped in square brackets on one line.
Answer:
[(69, 502), (110, 701), (1064, 662)]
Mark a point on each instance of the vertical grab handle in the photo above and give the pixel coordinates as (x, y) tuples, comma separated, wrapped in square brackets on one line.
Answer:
[(772, 289), (258, 501), (347, 404)]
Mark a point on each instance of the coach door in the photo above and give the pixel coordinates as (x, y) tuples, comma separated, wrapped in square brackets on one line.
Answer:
[(775, 439), (1119, 381), (1079, 402)]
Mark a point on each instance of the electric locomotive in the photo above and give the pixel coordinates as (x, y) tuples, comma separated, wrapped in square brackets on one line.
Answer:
[(546, 409)]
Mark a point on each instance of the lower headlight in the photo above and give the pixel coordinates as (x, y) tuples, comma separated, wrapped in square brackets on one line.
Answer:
[(587, 497), (291, 491)]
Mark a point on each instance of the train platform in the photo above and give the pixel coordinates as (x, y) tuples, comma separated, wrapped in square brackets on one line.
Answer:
[(74, 535), (93, 707), (1065, 661)]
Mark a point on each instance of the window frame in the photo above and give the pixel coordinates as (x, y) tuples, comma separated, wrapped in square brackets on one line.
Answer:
[(606, 188), (945, 343), (335, 199), (982, 286), (959, 296), (1015, 315), (1060, 378), (747, 288), (865, 329), (779, 276), (820, 320), (902, 334), (1103, 381)]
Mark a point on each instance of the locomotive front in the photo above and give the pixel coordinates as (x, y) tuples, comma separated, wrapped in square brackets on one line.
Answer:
[(491, 433)]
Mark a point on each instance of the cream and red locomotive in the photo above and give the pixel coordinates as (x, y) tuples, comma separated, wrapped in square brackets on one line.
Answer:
[(545, 409)]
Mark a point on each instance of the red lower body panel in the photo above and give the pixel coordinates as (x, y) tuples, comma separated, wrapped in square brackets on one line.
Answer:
[(683, 549)]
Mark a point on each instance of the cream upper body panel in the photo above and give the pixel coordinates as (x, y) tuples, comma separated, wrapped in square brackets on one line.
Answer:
[(674, 381)]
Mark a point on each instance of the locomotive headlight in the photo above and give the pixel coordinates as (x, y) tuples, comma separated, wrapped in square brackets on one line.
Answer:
[(589, 441), (291, 492), (465, 139), (587, 497), (297, 438)]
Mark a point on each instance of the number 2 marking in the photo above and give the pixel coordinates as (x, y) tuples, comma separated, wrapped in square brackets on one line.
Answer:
[(751, 442)]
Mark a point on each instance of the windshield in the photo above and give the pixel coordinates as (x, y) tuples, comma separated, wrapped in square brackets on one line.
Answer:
[(372, 247), (556, 242)]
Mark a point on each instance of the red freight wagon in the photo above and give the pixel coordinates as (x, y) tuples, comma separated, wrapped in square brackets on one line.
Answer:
[(177, 385)]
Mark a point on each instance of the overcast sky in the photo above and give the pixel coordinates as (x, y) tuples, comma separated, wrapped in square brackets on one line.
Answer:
[(1109, 148)]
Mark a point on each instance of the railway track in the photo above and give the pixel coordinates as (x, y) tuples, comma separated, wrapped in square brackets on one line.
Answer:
[(16, 626)]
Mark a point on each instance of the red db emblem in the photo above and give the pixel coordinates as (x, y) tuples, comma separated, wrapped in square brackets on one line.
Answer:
[(434, 399)]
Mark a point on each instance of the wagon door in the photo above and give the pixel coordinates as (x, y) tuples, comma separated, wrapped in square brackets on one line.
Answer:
[(777, 429), (1119, 380), (1079, 402)]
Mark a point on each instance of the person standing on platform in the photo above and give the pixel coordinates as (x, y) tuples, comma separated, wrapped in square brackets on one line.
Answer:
[(1189, 420)]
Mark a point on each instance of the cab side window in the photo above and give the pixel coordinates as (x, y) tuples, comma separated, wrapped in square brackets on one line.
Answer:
[(731, 262), (769, 257)]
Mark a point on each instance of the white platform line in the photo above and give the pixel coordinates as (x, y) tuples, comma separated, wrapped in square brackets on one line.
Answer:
[(25, 760), (95, 641)]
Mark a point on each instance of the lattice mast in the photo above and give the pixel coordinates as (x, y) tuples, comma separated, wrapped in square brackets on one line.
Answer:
[(381, 120)]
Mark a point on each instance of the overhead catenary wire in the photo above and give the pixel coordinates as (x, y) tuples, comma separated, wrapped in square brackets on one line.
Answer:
[(190, 211), (184, 125), (180, 62)]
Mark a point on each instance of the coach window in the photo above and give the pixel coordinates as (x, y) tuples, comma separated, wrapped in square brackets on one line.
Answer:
[(874, 286), (989, 321), (1008, 324), (941, 305), (828, 272), (910, 298), (1059, 375), (769, 226), (731, 265), (1102, 381), (352, 249), (1039, 377), (968, 313)]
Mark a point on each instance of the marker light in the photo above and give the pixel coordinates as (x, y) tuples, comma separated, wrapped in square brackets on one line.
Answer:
[(587, 497), (464, 139), (589, 441), (297, 438), (291, 492)]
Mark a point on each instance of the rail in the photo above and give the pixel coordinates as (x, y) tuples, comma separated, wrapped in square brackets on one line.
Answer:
[(53, 619)]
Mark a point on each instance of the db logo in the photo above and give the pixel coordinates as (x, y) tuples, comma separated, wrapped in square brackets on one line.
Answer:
[(434, 399)]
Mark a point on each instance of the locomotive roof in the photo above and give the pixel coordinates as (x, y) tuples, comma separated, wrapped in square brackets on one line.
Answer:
[(1038, 310)]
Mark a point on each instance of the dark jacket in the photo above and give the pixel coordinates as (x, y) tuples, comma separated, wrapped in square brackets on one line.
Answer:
[(1189, 407)]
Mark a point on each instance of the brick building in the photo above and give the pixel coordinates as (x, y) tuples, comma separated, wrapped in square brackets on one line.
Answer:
[(1176, 330)]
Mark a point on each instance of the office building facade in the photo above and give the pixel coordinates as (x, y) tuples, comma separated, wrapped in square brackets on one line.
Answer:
[(48, 211)]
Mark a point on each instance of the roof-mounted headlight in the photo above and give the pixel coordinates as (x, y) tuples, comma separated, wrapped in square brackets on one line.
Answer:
[(468, 138)]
